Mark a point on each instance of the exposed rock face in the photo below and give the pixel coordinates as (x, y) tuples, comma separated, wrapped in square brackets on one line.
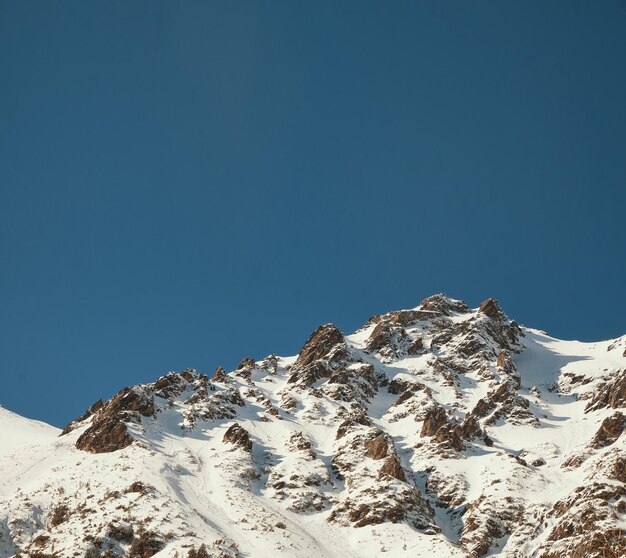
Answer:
[(618, 469), (245, 368), (319, 346), (108, 431), (485, 522), (377, 493), (324, 352), (146, 545), (611, 429), (611, 394), (491, 308), (585, 523), (356, 383), (443, 304), (108, 422), (219, 375), (376, 448), (435, 418), (239, 437), (392, 468)]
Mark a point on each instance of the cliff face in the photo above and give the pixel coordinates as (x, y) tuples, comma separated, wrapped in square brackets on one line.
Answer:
[(436, 431)]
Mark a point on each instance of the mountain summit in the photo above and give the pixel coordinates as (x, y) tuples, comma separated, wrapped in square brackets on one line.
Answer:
[(439, 431)]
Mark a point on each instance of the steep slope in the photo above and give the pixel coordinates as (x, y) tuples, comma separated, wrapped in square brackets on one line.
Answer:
[(436, 431)]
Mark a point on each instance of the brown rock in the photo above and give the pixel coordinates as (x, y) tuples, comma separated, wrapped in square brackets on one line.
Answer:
[(582, 522), (449, 435), (611, 394), (379, 338), (238, 436), (376, 448), (354, 419), (246, 362), (491, 308), (483, 407), (312, 373), (392, 468), (403, 398), (170, 385), (105, 436), (399, 385), (189, 374), (139, 488), (108, 431), (403, 318), (219, 375), (435, 418), (609, 543), (573, 461), (471, 346), (130, 400), (610, 430), (121, 532), (417, 347), (618, 469), (245, 367), (91, 411), (59, 515), (147, 544), (200, 553), (502, 358), (470, 428), (297, 441), (319, 345), (443, 304)]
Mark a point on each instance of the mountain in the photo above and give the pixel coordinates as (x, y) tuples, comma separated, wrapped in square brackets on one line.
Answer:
[(439, 431)]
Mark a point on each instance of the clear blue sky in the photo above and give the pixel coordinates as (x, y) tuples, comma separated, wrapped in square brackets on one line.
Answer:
[(187, 183)]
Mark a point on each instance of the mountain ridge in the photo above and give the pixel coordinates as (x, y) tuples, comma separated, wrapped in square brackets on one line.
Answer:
[(439, 430)]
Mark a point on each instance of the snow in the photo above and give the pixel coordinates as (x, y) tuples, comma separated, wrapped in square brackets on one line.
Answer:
[(17, 432)]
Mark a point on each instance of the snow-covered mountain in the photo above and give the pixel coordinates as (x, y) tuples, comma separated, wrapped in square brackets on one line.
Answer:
[(440, 431)]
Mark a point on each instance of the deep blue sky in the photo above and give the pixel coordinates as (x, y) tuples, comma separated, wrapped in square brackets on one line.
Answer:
[(185, 184)]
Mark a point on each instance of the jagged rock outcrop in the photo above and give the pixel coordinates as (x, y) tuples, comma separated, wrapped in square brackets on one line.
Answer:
[(108, 431), (239, 437), (108, 423), (219, 375), (322, 345), (586, 523), (610, 430), (379, 491), (610, 394), (324, 352)]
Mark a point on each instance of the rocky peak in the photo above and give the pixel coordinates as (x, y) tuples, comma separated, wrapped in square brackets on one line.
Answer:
[(323, 353), (491, 308), (319, 346), (444, 305), (219, 375), (108, 430)]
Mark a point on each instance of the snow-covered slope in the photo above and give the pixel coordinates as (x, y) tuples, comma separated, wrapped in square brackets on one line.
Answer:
[(440, 431), (18, 432)]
